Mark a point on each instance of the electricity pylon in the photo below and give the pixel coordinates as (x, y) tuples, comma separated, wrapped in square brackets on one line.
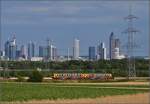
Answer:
[(131, 32)]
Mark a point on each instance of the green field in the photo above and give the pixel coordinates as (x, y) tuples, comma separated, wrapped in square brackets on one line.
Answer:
[(30, 91)]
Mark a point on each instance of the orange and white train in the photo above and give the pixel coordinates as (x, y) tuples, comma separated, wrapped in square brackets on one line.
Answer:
[(91, 76)]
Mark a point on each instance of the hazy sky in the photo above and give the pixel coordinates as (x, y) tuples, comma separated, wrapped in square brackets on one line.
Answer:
[(62, 21)]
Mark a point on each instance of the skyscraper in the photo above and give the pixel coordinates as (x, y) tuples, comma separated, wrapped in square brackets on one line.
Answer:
[(76, 49), (101, 51), (54, 53), (31, 50), (117, 43), (7, 43), (51, 51), (92, 52), (23, 51), (103, 54), (115, 48), (11, 49), (111, 45), (18, 54), (42, 51)]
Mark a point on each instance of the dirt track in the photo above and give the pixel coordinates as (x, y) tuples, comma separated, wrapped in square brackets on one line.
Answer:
[(120, 99), (108, 83)]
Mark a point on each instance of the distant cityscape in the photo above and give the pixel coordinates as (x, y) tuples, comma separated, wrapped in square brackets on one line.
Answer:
[(49, 52)]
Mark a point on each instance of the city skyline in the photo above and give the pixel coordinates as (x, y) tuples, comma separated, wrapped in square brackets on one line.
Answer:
[(89, 28), (50, 52)]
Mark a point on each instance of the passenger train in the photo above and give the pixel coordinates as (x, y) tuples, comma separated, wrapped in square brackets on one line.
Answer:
[(80, 76)]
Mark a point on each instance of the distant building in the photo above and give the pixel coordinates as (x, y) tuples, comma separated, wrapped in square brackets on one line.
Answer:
[(18, 54), (92, 53), (76, 49), (12, 52), (7, 44), (11, 49), (117, 55), (101, 52), (1, 53), (51, 51), (43, 51), (23, 52), (54, 53), (31, 50), (117, 43), (114, 48), (36, 59), (111, 45)]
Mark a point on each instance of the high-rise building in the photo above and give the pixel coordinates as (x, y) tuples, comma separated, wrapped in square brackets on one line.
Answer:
[(42, 51), (92, 53), (54, 53), (1, 54), (7, 43), (101, 52), (76, 49), (23, 52), (117, 43), (51, 51), (18, 54), (31, 50), (111, 45), (12, 52), (11, 49), (115, 48)]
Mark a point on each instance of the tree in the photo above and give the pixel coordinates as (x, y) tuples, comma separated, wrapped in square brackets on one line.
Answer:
[(36, 76)]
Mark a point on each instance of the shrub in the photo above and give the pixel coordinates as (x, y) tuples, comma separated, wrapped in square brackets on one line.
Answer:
[(20, 79), (36, 76)]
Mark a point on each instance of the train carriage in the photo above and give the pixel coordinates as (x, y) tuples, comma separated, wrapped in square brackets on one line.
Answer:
[(80, 76)]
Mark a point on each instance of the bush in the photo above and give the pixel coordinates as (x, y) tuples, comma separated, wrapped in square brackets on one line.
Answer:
[(36, 76), (20, 79)]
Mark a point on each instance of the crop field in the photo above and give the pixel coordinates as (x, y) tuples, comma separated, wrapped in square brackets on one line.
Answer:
[(12, 92)]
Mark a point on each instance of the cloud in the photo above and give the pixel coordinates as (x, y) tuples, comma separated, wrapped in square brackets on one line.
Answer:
[(67, 12), (85, 18)]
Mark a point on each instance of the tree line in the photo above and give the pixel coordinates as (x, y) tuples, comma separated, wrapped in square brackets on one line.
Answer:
[(118, 68)]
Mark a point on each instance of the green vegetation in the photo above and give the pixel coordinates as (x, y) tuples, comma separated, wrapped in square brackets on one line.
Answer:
[(20, 79), (36, 76), (117, 67), (29, 91)]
